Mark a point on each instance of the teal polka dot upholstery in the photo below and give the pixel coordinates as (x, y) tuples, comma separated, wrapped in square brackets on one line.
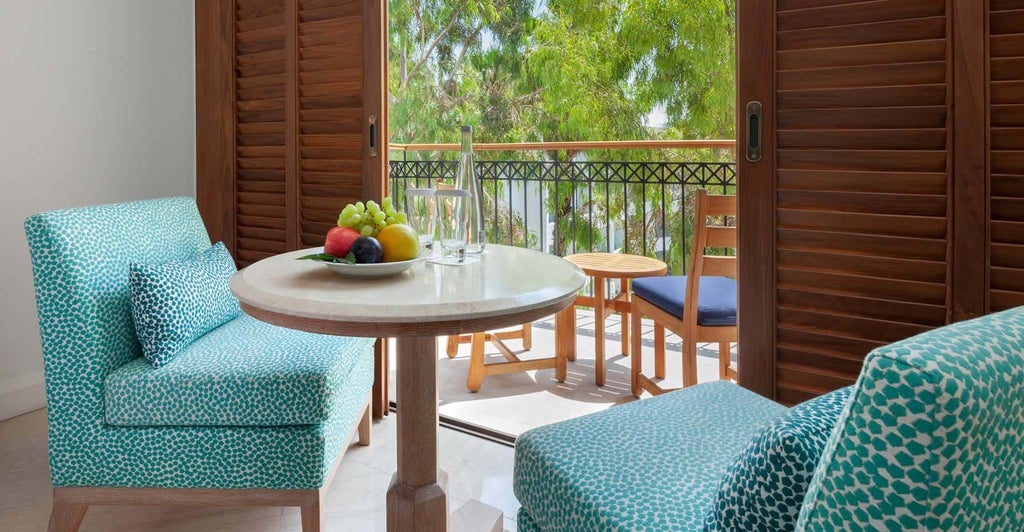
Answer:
[(647, 465), (80, 260), (217, 382), (933, 438), (176, 302), (764, 488)]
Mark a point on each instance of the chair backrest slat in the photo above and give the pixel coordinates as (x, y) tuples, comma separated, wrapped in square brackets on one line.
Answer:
[(718, 266), (721, 205), (721, 237)]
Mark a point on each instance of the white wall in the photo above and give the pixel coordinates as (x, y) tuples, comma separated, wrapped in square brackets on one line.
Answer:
[(97, 105)]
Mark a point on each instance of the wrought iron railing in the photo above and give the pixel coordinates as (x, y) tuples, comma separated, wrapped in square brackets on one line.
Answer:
[(565, 207)]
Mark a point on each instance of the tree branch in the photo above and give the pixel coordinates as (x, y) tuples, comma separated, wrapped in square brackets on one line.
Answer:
[(433, 44), (469, 41)]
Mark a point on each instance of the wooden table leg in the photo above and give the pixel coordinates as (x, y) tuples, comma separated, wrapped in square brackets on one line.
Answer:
[(599, 306), (416, 500)]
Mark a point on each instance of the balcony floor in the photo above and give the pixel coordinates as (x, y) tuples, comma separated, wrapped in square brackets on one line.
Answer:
[(515, 403)]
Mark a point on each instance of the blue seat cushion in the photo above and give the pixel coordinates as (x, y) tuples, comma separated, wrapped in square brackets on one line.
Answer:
[(716, 300), (245, 373), (765, 487), (652, 464)]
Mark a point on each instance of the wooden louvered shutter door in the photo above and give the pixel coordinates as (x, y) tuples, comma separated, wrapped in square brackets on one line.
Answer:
[(330, 109), (302, 80), (1006, 156), (262, 221), (849, 206)]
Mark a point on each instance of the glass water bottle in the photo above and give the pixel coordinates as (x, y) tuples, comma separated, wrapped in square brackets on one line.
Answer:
[(466, 180)]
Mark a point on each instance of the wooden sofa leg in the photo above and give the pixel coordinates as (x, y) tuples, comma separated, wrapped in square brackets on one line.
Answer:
[(311, 517), (66, 517), (364, 428)]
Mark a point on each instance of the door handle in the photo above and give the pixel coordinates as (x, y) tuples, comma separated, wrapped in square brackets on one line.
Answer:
[(373, 135), (754, 140)]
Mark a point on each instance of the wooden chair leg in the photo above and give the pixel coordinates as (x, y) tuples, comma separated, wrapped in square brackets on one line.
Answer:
[(599, 315), (689, 362), (453, 346), (624, 317), (635, 352), (66, 517), (476, 363), (659, 350), (565, 334), (724, 359), (364, 429), (311, 517), (527, 336)]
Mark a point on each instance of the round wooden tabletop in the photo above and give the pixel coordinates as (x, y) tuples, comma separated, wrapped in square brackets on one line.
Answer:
[(504, 286), (618, 265)]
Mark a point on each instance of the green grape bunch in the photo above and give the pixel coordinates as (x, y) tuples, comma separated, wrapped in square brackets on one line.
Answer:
[(370, 218)]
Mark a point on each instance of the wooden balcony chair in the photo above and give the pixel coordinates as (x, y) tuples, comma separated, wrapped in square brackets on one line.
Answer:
[(699, 307), (477, 368)]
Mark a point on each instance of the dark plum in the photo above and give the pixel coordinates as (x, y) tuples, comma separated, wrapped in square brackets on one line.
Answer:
[(367, 250)]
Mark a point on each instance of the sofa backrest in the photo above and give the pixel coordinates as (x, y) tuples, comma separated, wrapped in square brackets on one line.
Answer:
[(80, 260), (933, 436)]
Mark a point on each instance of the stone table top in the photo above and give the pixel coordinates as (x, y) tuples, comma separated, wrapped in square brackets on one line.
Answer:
[(505, 286)]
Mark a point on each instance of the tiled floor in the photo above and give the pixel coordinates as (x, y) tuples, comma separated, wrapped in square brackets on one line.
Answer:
[(478, 469), (517, 402)]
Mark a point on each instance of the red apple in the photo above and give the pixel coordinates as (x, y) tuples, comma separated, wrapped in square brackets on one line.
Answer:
[(339, 240)]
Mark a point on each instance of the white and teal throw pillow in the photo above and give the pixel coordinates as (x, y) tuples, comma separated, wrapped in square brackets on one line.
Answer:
[(176, 302), (765, 487)]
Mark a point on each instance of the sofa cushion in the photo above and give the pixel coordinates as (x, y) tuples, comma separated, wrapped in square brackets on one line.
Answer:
[(175, 302), (933, 437), (652, 464), (716, 299), (244, 373), (765, 487)]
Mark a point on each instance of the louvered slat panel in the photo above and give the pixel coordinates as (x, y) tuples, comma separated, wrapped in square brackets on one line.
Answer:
[(330, 113), (862, 158), (1006, 156), (260, 145)]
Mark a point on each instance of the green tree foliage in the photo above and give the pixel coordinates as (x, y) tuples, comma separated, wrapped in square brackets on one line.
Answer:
[(567, 70), (554, 70)]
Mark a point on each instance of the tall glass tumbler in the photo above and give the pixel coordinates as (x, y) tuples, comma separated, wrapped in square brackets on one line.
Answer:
[(453, 217), (421, 209)]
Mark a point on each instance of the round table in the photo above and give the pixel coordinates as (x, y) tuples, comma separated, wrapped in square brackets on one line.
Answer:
[(506, 286), (602, 266)]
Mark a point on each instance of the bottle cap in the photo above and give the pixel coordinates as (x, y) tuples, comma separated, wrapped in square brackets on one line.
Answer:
[(467, 129)]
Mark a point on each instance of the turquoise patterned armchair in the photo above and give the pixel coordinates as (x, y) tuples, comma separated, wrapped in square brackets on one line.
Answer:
[(249, 414), (931, 437)]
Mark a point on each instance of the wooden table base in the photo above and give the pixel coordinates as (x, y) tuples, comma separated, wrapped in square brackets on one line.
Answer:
[(416, 499)]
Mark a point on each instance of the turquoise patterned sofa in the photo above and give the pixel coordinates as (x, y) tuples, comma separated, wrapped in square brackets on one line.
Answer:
[(932, 438), (251, 414)]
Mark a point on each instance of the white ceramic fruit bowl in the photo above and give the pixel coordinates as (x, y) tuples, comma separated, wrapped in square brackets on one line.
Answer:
[(373, 271)]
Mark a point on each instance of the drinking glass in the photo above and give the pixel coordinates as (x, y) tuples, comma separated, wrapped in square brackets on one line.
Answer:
[(421, 209), (453, 215)]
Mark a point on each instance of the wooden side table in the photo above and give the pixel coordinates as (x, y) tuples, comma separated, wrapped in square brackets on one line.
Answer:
[(601, 267)]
